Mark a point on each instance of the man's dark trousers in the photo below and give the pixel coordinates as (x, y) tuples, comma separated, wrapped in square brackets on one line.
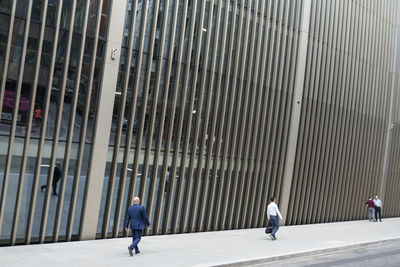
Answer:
[(56, 177), (275, 224), (378, 210), (136, 236)]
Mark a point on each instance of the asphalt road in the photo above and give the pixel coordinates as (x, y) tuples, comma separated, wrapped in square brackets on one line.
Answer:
[(386, 254)]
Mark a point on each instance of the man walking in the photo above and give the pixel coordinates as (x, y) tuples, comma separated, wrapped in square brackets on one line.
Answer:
[(272, 214), (137, 219), (56, 177), (371, 209), (378, 208), (166, 181)]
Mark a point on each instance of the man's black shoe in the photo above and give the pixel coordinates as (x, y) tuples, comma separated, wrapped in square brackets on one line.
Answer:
[(42, 187), (137, 252), (130, 251)]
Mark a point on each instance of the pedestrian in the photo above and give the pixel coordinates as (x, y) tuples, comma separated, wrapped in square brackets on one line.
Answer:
[(38, 115), (56, 177), (166, 181), (137, 220), (378, 208), (272, 214), (371, 209)]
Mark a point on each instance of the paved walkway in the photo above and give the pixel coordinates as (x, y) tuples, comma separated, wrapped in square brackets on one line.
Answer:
[(205, 249)]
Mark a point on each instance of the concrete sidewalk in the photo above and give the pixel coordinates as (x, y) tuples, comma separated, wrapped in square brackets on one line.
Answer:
[(248, 246)]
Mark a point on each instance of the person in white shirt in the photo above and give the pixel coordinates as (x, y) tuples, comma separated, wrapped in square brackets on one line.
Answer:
[(378, 207), (272, 214)]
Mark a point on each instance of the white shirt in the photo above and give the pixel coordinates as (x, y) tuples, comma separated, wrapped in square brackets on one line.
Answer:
[(377, 202), (273, 210)]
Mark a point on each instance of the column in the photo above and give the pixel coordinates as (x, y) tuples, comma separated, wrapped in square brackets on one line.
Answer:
[(296, 108), (95, 179)]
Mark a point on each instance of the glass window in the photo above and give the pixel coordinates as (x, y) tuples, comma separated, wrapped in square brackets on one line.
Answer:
[(5, 5)]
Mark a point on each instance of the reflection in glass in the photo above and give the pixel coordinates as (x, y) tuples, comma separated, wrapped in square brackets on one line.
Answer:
[(39, 106)]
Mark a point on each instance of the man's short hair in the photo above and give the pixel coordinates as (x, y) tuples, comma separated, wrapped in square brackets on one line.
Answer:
[(273, 199)]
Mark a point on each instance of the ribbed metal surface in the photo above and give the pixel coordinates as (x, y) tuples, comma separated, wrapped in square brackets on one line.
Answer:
[(391, 183), (392, 194), (345, 110)]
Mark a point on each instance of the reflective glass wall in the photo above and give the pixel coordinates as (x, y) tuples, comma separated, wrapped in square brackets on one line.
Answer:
[(51, 56)]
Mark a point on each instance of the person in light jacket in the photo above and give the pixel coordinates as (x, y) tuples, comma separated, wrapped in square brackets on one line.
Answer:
[(378, 208), (272, 214)]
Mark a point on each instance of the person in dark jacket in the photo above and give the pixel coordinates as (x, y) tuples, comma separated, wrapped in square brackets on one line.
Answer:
[(137, 220), (371, 209), (56, 177)]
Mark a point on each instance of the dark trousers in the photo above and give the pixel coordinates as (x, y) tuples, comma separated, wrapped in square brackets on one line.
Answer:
[(54, 188), (275, 224), (378, 211), (136, 236)]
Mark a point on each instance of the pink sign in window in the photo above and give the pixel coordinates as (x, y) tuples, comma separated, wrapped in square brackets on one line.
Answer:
[(9, 101)]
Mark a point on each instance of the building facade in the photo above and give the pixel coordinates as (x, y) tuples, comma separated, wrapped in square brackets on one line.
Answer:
[(202, 108)]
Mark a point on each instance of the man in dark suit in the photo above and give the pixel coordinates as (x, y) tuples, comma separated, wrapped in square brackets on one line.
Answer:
[(137, 219)]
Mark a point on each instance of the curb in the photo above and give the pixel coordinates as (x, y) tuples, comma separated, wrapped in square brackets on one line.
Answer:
[(306, 253)]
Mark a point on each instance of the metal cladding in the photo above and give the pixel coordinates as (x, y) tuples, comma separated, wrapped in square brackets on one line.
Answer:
[(203, 109), (347, 97)]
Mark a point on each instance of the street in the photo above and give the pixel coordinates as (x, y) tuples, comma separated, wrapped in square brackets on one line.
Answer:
[(386, 254)]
